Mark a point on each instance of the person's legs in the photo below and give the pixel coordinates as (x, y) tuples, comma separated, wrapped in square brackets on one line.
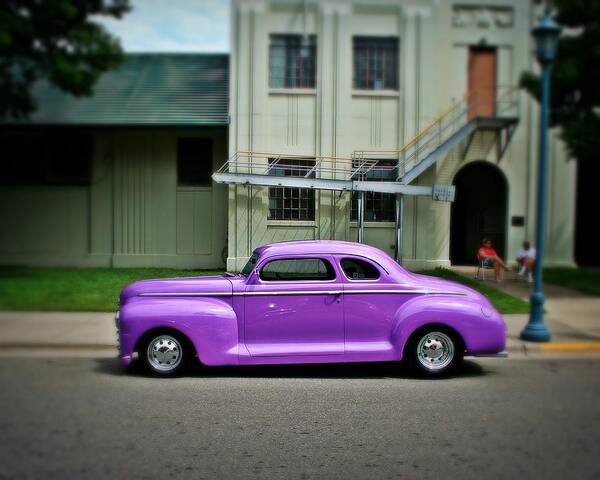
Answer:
[(497, 267), (521, 263), (528, 265), (498, 260)]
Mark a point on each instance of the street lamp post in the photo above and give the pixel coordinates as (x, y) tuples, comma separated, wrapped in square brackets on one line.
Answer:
[(546, 34)]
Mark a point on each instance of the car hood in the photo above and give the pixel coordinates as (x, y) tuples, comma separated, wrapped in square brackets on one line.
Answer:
[(173, 286)]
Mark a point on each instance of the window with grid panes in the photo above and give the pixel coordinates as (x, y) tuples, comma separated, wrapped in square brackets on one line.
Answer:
[(379, 207), (292, 61), (375, 63), (291, 203)]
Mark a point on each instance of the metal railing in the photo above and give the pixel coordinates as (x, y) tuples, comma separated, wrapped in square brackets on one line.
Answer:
[(467, 109), (364, 163)]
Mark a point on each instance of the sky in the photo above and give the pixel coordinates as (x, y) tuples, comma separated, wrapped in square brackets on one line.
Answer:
[(173, 26)]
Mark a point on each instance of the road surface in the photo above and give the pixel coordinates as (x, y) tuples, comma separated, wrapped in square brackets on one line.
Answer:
[(514, 418)]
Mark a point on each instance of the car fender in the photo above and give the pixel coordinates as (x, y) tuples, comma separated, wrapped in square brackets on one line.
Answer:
[(462, 314), (209, 323)]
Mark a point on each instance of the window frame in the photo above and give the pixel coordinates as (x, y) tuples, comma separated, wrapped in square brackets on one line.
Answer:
[(356, 83), (326, 261), (354, 199), (311, 199), (302, 81), (375, 265)]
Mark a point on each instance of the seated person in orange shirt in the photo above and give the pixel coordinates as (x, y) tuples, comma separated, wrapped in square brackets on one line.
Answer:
[(489, 257)]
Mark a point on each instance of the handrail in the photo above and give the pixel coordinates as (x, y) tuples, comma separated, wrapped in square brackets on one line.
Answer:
[(425, 130)]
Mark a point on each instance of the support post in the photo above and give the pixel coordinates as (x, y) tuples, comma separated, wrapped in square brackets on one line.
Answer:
[(360, 224), (399, 228)]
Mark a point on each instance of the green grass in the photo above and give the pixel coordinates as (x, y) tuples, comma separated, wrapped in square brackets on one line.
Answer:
[(72, 289), (97, 289), (580, 279), (503, 302)]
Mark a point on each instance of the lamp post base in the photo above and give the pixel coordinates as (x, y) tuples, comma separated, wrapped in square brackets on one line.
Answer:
[(536, 330)]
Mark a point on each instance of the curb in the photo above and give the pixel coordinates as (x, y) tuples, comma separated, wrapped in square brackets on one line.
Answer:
[(55, 346), (554, 347)]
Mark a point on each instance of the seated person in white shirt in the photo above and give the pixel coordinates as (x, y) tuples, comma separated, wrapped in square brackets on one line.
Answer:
[(526, 260)]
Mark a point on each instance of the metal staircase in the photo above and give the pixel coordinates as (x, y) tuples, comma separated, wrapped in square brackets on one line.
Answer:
[(458, 125), (455, 127)]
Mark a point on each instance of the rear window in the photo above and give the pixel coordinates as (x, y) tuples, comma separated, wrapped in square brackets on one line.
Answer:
[(297, 269), (356, 269)]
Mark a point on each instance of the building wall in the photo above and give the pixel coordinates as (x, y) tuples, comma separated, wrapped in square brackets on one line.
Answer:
[(333, 119), (133, 213)]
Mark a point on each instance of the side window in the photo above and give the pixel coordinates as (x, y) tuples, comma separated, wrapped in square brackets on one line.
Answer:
[(356, 269), (297, 269)]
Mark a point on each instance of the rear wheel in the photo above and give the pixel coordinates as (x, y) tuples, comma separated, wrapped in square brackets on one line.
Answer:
[(164, 354), (434, 351)]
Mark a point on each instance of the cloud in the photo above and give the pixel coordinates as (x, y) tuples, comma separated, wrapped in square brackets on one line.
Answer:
[(173, 26)]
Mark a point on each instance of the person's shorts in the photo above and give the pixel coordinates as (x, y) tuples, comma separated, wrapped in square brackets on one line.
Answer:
[(488, 262)]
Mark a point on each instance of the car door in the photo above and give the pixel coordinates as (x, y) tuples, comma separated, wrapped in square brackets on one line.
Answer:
[(371, 300), (294, 306)]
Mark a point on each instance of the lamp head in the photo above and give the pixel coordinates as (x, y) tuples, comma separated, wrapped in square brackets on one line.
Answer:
[(546, 34)]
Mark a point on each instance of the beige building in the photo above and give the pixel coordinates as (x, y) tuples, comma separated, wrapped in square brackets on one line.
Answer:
[(313, 79)]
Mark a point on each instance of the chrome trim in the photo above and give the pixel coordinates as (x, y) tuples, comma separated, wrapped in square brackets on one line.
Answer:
[(295, 292), (407, 292), (184, 294), (291, 292)]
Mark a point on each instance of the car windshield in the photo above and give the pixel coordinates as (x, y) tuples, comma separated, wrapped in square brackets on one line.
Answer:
[(250, 264)]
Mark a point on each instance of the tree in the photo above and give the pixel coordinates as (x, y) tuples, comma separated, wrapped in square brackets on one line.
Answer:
[(575, 77), (55, 40)]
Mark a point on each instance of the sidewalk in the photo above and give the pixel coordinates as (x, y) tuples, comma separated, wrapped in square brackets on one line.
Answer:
[(57, 333), (572, 317)]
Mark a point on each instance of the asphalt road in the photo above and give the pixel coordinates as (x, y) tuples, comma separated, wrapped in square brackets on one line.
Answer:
[(86, 418)]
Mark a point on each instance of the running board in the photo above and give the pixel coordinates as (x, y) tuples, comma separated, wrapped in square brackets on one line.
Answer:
[(491, 355)]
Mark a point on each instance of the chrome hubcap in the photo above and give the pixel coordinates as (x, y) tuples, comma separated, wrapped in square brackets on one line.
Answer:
[(435, 351), (164, 353)]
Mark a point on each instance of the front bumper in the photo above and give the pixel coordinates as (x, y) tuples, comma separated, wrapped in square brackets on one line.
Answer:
[(125, 359)]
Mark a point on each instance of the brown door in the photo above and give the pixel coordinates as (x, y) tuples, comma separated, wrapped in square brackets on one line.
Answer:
[(482, 82)]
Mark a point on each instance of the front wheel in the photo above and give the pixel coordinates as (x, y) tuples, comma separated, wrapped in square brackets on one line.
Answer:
[(164, 354), (434, 352)]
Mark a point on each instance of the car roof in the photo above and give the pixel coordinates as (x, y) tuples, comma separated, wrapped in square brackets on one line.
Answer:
[(303, 247)]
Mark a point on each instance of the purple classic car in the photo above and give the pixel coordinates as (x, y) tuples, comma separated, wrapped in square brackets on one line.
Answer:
[(307, 302)]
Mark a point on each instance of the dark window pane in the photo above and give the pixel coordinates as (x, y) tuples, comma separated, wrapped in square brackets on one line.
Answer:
[(49, 157), (356, 269), (292, 61), (297, 269), (194, 161), (375, 63)]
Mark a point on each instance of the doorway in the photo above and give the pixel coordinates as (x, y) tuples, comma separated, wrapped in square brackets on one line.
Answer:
[(478, 211), (482, 82)]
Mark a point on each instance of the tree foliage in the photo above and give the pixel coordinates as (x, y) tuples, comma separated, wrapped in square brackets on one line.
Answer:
[(575, 78), (55, 40)]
